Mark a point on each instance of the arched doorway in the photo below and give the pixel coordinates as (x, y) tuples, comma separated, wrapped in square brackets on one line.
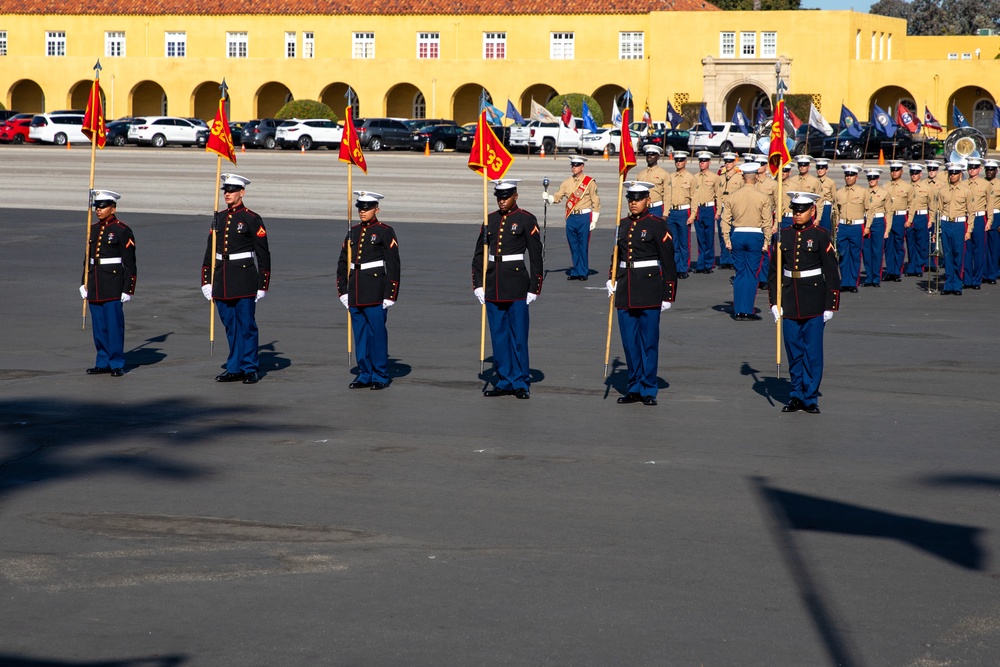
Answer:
[(26, 96), (270, 98), (977, 105), (147, 99), (465, 103), (889, 98), (334, 96), (205, 101), (607, 94), (405, 100), (752, 98), (540, 92), (79, 95)]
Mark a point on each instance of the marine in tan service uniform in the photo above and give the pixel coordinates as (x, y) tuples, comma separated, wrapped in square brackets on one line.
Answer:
[(849, 212), (878, 204), (922, 202), (659, 194), (933, 169), (730, 180), (901, 193), (956, 213), (707, 193), (746, 233), (583, 208), (784, 215), (981, 193), (828, 188), (803, 181), (682, 213), (992, 270)]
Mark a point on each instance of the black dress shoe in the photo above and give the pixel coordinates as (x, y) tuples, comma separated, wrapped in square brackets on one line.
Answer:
[(379, 386), (989, 281), (751, 316), (250, 378), (896, 278), (359, 385), (648, 400), (762, 286), (956, 292), (853, 290), (974, 286), (794, 405), (682, 275), (584, 278), (707, 272), (572, 277), (117, 372), (493, 393), (522, 394), (630, 397), (98, 370), (731, 267), (868, 285), (739, 317), (229, 377), (812, 409)]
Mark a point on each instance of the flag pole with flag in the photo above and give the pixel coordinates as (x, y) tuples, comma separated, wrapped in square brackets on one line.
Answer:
[(626, 160), (351, 153), (94, 128), (778, 157), (220, 142), (490, 158)]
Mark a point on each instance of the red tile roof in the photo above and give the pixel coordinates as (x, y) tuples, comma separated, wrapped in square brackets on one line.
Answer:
[(362, 7)]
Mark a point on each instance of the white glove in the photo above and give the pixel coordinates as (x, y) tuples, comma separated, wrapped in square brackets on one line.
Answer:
[(827, 315), (480, 294), (665, 305), (776, 313), (546, 197), (343, 300), (128, 297), (207, 291), (260, 295), (531, 297), (594, 217), (83, 292), (611, 287), (387, 304)]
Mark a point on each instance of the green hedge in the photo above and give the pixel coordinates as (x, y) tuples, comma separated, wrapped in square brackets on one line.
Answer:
[(306, 109), (575, 100)]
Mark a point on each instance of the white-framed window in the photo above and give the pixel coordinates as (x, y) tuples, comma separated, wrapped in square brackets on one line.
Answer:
[(768, 45), (290, 44), (363, 46), (3, 42), (966, 56), (631, 45), (237, 45), (727, 44), (176, 44), (494, 46), (428, 45), (561, 45), (952, 56), (419, 106), (55, 43), (748, 45), (308, 45), (114, 44)]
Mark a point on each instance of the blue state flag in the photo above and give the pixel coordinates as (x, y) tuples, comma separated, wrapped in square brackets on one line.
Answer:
[(883, 121), (740, 120), (849, 122), (957, 119), (513, 114), (588, 119), (675, 118), (705, 120), (996, 118), (761, 116)]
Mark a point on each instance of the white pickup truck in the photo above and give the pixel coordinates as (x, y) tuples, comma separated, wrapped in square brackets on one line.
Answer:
[(725, 139), (550, 136)]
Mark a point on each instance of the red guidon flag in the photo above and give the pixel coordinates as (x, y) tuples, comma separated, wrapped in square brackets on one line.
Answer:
[(220, 137), (488, 155), (626, 154), (778, 155), (350, 145), (93, 119)]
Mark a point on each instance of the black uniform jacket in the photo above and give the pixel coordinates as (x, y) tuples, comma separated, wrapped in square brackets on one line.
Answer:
[(240, 233), (647, 242), (805, 249), (113, 242), (375, 265), (516, 233)]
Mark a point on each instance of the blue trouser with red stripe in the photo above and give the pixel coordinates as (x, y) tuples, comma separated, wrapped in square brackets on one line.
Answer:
[(953, 245), (824, 217), (509, 334), (640, 331), (107, 319), (238, 317), (578, 237), (894, 245), (992, 270), (371, 343), (917, 244), (765, 264), (677, 224), (804, 347), (975, 253), (747, 251), (704, 229), (873, 249)]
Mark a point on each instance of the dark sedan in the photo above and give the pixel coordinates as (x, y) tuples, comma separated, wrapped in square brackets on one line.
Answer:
[(438, 137), (847, 147), (675, 139), (815, 138), (464, 143), (117, 133)]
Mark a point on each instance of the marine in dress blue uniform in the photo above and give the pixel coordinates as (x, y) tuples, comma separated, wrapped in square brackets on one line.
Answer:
[(110, 282), (242, 278), (368, 286), (643, 284), (810, 294), (513, 244)]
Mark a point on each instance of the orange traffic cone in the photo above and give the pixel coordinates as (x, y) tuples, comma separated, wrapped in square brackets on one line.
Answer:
[(67, 144), (607, 156), (881, 156), (427, 146), (302, 149), (541, 153), (243, 148)]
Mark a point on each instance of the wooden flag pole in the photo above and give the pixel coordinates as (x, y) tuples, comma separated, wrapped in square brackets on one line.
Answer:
[(90, 195), (614, 273), (779, 272), (211, 275), (350, 212), (486, 255)]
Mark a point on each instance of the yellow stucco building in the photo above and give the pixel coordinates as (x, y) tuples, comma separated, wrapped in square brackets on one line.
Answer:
[(424, 61)]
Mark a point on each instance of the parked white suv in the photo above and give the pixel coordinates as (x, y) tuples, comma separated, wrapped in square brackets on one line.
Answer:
[(58, 129), (725, 139), (159, 131), (309, 133)]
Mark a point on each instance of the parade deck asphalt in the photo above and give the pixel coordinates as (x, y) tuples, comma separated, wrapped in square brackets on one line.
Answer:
[(163, 519)]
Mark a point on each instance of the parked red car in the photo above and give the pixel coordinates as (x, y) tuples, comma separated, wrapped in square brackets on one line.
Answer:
[(15, 130)]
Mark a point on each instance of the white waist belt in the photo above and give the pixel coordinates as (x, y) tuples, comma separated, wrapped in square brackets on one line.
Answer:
[(749, 230), (108, 260), (657, 203), (903, 212), (878, 215), (852, 222), (978, 213), (641, 264), (827, 202), (802, 274), (239, 255), (922, 211), (996, 210), (682, 207), (708, 203), (582, 211), (370, 265), (945, 218), (508, 258)]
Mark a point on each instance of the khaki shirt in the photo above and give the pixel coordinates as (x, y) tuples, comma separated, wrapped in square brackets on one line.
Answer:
[(923, 197), (849, 203), (706, 188), (937, 186), (769, 187), (590, 198), (981, 193), (682, 186), (660, 178), (807, 183), (730, 181), (901, 192), (956, 202), (748, 207), (877, 200), (827, 189)]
